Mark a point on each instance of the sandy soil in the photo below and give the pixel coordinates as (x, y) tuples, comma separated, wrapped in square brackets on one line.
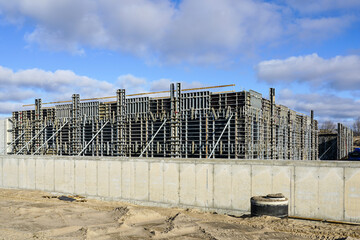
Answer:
[(39, 215)]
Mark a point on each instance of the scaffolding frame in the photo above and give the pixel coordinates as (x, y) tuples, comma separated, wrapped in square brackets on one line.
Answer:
[(195, 123)]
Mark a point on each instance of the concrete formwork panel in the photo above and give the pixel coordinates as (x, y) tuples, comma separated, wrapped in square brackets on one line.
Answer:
[(49, 172), (40, 174), (241, 187), (331, 193), (103, 179), (141, 181), (115, 179), (352, 194), (156, 186), (91, 178), (80, 177), (171, 183), (261, 180), (306, 191), (204, 185), (11, 173), (187, 184), (222, 186)]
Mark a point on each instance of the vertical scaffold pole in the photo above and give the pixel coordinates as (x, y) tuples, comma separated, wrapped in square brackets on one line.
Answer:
[(174, 126), (38, 125), (75, 125), (120, 121), (272, 122), (312, 136)]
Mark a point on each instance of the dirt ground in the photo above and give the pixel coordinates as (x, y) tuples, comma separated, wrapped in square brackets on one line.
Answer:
[(40, 215)]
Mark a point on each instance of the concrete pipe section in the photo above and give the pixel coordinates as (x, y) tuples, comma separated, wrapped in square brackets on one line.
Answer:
[(276, 205)]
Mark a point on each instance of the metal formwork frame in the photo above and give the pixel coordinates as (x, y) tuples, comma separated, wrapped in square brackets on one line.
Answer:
[(200, 124)]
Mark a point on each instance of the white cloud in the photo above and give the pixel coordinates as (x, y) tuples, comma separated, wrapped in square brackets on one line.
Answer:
[(338, 73), (164, 85), (320, 28), (160, 85), (325, 106), (60, 81), (7, 107), (132, 84), (23, 86), (196, 31), (311, 6), (211, 30)]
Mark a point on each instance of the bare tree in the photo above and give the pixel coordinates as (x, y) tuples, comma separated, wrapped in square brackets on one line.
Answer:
[(356, 127), (328, 125)]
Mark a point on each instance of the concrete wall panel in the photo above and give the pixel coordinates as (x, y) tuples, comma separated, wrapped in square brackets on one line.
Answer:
[(91, 178), (127, 180), (115, 179), (40, 174), (331, 189), (187, 184), (10, 171), (352, 194), (281, 179), (69, 174), (306, 191), (141, 181), (281, 182), (49, 172), (328, 190), (60, 175), (261, 180), (1, 172), (30, 173), (241, 187), (80, 177), (171, 183), (204, 185), (103, 179), (156, 186), (23, 173), (222, 186)]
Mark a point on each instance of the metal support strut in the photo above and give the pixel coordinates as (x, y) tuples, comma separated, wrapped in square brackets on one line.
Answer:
[(31, 140), (37, 150), (217, 142), (92, 139), (152, 139)]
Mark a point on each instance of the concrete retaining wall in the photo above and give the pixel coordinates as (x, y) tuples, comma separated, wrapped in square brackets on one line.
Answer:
[(327, 190)]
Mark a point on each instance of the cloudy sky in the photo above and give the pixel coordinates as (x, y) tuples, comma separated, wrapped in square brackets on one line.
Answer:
[(308, 50)]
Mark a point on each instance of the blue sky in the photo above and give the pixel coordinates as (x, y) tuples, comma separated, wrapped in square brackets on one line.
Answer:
[(308, 50)]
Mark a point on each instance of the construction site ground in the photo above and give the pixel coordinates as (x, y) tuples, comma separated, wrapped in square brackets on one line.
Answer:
[(40, 215)]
